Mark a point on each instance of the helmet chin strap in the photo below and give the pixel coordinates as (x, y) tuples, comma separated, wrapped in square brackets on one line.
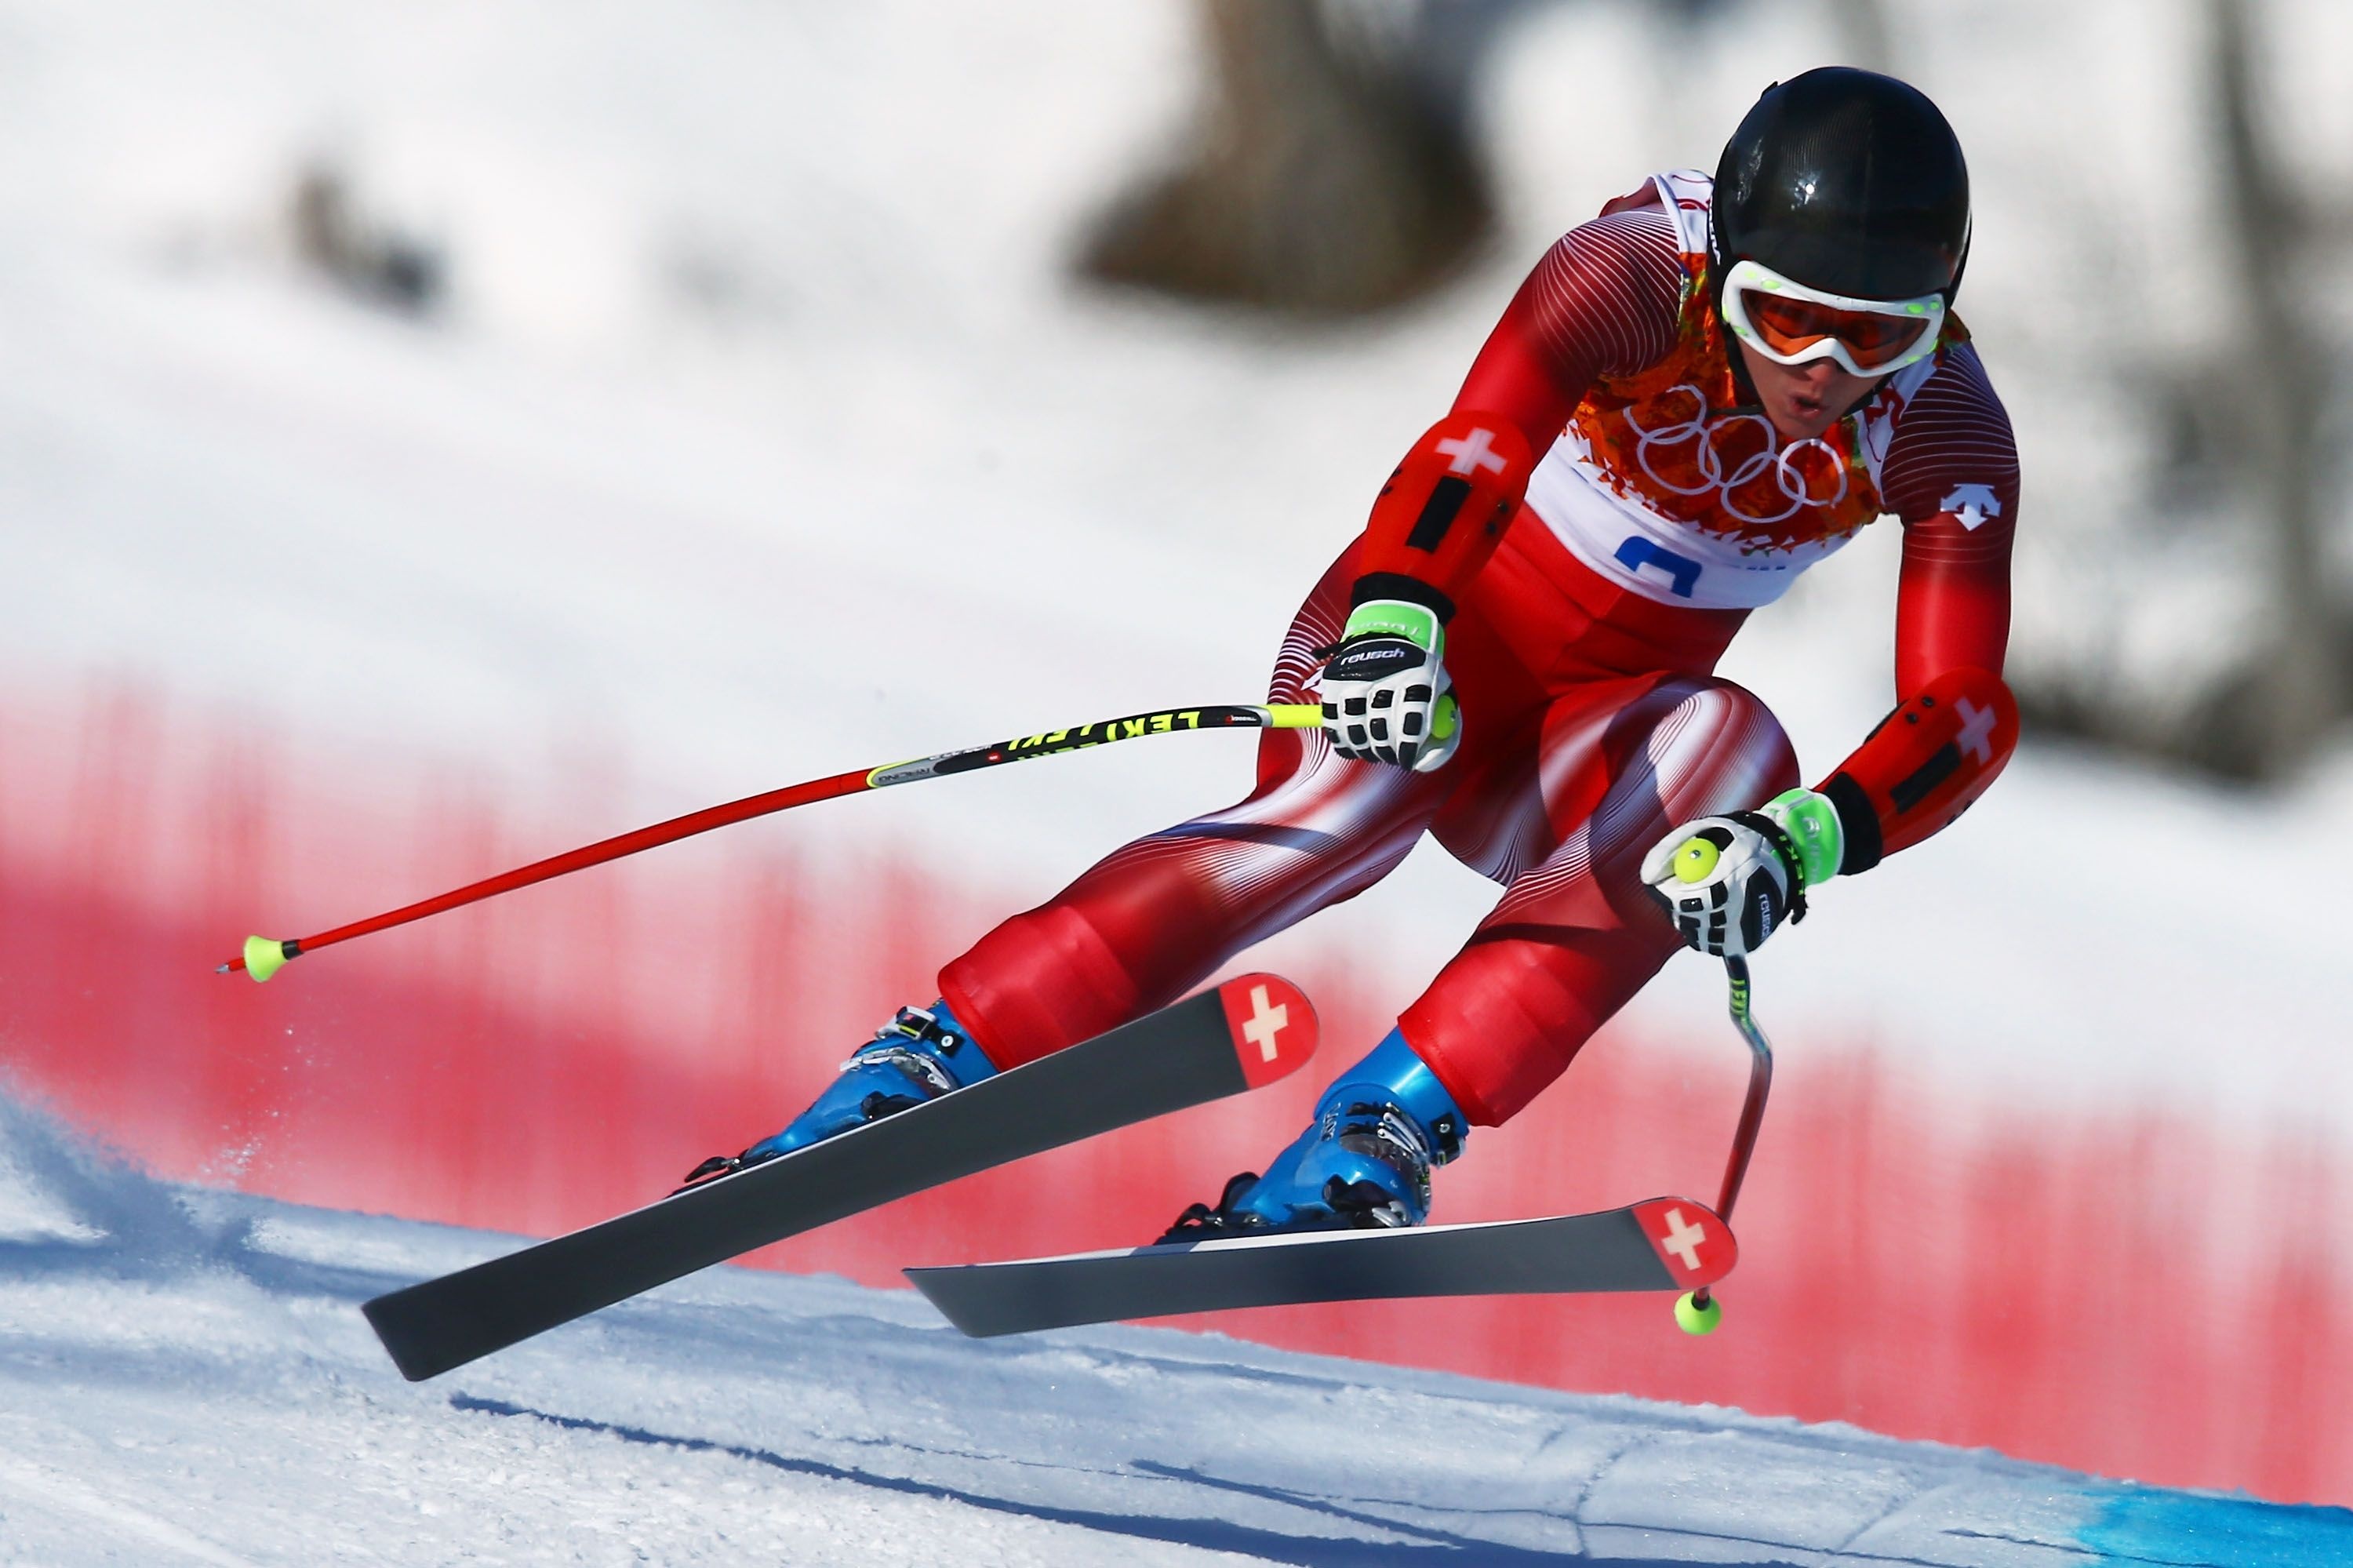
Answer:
[(1868, 394), (1744, 387)]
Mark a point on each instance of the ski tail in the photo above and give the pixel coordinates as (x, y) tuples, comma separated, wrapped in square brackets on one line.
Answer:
[(1247, 1032)]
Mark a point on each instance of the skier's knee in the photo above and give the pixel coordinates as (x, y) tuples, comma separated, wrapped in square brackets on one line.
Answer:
[(1720, 749)]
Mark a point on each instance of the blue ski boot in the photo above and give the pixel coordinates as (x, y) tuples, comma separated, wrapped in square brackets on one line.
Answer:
[(919, 1056), (1364, 1162)]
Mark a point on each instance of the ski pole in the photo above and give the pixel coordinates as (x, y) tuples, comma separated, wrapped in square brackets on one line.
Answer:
[(1697, 1310), (263, 957)]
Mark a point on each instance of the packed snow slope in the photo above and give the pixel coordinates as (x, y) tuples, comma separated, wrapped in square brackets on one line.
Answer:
[(185, 1378)]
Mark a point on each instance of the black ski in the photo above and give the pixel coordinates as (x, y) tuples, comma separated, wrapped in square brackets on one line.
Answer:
[(1246, 1033), (1665, 1244)]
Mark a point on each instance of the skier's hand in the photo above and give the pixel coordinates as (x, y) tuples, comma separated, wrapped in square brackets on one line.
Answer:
[(1728, 883), (1386, 698)]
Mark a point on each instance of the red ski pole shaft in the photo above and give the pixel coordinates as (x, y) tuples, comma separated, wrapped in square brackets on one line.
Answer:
[(263, 957), (1752, 1110)]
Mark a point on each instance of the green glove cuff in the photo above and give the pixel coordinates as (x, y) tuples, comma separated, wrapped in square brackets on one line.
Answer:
[(1812, 824), (1397, 618)]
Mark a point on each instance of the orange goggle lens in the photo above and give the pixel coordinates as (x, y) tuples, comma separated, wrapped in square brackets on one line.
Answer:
[(1791, 327)]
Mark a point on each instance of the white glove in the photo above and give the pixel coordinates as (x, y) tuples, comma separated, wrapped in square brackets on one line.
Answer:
[(1728, 883), (1386, 698)]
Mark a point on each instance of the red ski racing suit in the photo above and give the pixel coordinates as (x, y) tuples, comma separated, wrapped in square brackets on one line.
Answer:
[(1588, 597)]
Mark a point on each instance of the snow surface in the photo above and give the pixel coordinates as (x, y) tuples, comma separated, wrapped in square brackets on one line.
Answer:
[(185, 1377)]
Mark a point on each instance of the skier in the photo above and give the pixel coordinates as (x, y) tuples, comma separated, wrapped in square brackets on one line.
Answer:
[(1693, 398)]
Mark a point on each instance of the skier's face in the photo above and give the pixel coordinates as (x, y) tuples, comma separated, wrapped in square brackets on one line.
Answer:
[(1806, 400)]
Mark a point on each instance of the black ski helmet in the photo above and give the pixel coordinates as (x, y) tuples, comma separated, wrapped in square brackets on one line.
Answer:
[(1847, 181)]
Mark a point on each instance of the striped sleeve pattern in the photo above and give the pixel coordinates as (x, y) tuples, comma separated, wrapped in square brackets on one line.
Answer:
[(1951, 474), (1604, 300)]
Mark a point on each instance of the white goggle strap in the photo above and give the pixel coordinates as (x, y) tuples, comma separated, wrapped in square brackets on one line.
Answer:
[(1746, 274)]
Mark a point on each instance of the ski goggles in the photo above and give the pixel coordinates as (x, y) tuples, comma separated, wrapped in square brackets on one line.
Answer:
[(1790, 323)]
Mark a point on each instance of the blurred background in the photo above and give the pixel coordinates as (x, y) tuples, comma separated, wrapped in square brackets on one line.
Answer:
[(433, 437)]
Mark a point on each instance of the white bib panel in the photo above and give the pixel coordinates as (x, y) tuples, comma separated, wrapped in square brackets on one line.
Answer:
[(1657, 556)]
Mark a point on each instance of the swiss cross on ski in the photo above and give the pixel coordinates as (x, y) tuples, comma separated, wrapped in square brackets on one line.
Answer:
[(1266, 1022), (1696, 1246), (1261, 1011)]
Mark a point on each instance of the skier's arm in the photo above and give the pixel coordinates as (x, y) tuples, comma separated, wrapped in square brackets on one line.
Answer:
[(1603, 300), (1951, 475)]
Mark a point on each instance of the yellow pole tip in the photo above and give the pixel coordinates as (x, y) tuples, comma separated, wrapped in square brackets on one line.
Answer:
[(263, 957), (1693, 1318)]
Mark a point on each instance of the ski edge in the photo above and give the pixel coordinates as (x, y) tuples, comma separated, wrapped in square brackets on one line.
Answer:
[(1270, 1028), (1676, 1229)]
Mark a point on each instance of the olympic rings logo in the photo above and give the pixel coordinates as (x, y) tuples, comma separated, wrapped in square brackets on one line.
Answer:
[(1701, 434)]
